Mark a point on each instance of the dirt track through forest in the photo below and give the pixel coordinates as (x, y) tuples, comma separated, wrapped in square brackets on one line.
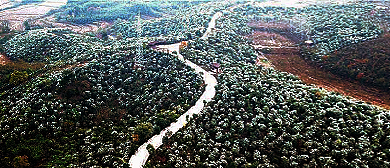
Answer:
[(294, 64), (141, 155), (3, 60), (16, 16), (37, 13)]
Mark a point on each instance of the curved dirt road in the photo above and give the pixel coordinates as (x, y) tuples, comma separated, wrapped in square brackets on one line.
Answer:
[(141, 155)]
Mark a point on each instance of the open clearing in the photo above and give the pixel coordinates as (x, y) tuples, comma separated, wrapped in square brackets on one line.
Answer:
[(18, 15), (37, 14), (3, 60), (292, 62)]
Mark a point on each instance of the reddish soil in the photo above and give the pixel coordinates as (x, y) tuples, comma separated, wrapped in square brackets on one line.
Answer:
[(269, 39), (16, 16), (294, 64), (3, 60), (36, 15), (268, 25)]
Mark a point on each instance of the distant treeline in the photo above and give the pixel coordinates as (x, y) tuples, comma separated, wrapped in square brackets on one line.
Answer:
[(23, 2), (84, 12)]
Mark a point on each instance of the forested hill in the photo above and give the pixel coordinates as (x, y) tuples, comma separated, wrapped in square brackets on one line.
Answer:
[(86, 100), (9, 4), (83, 11)]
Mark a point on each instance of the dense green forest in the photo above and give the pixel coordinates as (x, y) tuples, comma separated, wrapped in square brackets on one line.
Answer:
[(103, 100), (367, 62), (271, 118), (337, 31), (43, 50), (79, 95), (76, 100), (84, 11), (345, 45)]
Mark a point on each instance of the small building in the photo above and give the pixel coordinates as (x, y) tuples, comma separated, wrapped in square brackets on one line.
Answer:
[(309, 42), (183, 44), (216, 67)]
